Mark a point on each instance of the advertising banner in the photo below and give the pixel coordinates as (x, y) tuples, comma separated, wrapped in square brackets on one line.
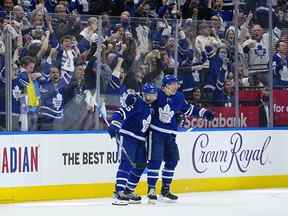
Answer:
[(59, 159), (233, 153), (47, 159), (280, 107), (225, 118)]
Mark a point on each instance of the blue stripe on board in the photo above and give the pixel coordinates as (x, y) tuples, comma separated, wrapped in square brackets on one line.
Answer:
[(236, 129), (104, 131), (52, 132)]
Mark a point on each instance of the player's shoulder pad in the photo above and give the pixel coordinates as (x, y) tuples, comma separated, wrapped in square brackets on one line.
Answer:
[(179, 95)]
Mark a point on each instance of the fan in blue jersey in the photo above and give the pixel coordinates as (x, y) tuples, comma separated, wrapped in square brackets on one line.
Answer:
[(16, 95), (189, 70), (131, 122), (280, 65), (51, 108), (162, 135), (216, 73)]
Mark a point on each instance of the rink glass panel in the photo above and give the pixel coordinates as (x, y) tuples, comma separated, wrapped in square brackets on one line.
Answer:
[(90, 101)]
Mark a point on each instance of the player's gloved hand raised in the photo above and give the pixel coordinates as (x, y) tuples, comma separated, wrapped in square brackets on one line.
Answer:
[(208, 115), (131, 100), (112, 130)]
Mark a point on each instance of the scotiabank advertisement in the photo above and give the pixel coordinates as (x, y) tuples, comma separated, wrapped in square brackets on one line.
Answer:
[(249, 115), (280, 107), (225, 118)]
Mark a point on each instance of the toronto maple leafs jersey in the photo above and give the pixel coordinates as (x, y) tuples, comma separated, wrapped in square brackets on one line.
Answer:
[(16, 95), (280, 70), (115, 86), (45, 70), (52, 100), (258, 57), (189, 73), (217, 74), (133, 120), (165, 107)]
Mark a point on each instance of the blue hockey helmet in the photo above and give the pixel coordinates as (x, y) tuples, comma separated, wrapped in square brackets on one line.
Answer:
[(150, 92), (149, 88), (169, 79)]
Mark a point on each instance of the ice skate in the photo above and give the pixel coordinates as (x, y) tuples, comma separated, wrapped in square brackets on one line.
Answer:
[(120, 198), (133, 198), (167, 196), (152, 197)]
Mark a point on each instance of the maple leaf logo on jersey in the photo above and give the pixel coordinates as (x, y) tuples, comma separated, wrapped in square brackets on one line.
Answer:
[(260, 51), (57, 101), (166, 114), (146, 123), (16, 92)]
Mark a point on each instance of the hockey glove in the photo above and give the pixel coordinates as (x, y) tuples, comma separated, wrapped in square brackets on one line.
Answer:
[(180, 119), (112, 130), (131, 100), (208, 115)]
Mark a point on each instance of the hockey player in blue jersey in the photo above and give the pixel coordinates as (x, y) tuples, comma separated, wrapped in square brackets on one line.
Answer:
[(162, 135), (131, 122)]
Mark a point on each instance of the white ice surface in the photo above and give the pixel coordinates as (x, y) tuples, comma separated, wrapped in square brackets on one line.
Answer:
[(272, 202)]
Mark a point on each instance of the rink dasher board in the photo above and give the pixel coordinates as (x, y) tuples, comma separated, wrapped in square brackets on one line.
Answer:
[(73, 165)]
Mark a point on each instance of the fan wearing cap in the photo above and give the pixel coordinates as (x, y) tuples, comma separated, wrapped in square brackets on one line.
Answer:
[(162, 135), (130, 124)]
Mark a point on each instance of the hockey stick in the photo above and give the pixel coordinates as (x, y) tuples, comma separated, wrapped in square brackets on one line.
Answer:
[(119, 144), (133, 164), (184, 131), (190, 129)]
